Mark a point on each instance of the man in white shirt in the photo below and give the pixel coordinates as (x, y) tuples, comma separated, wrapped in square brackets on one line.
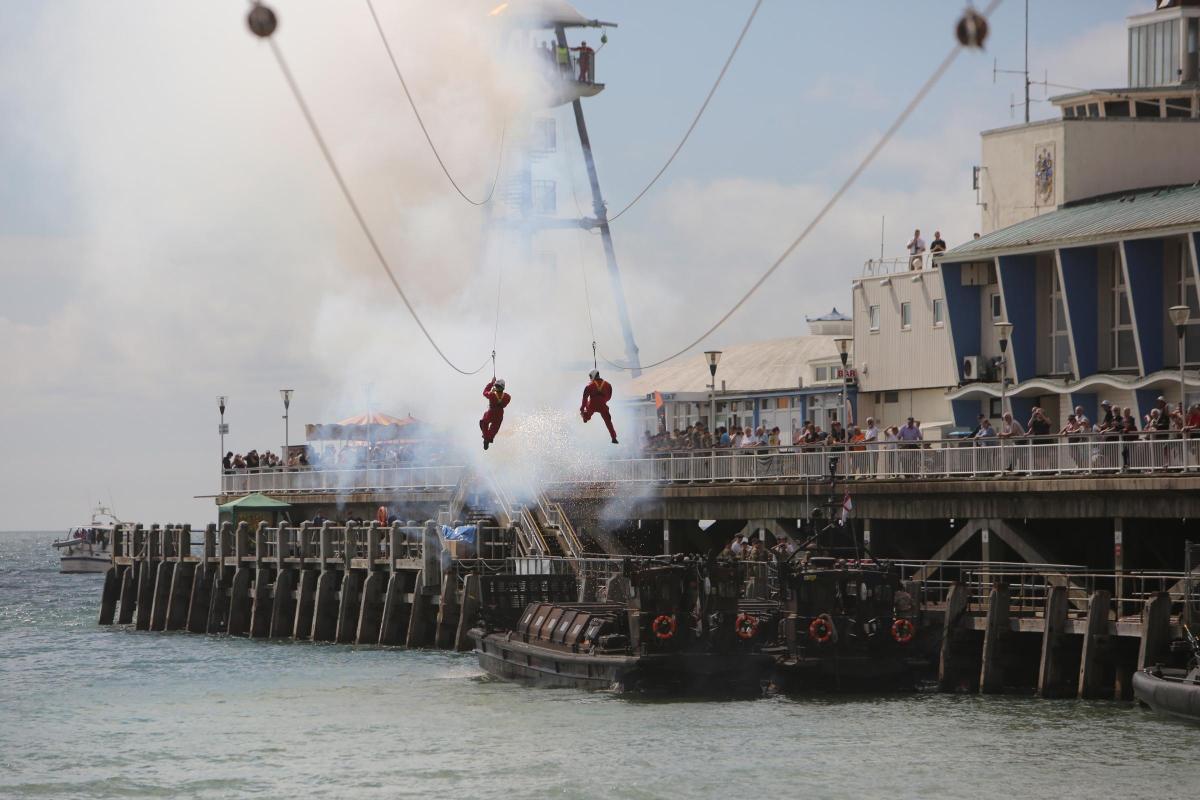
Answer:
[(1011, 429), (916, 248), (739, 544)]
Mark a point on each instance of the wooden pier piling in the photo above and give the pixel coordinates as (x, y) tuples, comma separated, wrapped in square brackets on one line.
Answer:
[(1052, 675), (995, 636), (1156, 629), (950, 663), (469, 614), (1096, 649)]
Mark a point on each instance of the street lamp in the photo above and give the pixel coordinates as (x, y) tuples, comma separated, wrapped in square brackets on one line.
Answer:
[(1179, 318), (714, 358), (1004, 329), (222, 428), (286, 394), (843, 345)]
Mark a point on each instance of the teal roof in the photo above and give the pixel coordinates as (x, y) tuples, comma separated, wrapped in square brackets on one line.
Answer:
[(254, 501), (1100, 219)]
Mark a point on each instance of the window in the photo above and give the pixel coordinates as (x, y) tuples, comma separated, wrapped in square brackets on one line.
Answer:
[(938, 313), (544, 197), (891, 397), (997, 308), (822, 374), (994, 410), (873, 314), (905, 316), (1060, 347), (1124, 348), (543, 136), (1116, 108), (1187, 297)]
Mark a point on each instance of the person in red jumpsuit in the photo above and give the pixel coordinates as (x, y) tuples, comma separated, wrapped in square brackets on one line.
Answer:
[(595, 401), (497, 399), (586, 54)]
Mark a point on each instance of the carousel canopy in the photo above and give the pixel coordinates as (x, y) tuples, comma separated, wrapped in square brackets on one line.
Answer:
[(254, 501), (369, 427)]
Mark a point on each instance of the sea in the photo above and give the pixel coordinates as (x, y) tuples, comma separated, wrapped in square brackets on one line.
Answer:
[(108, 712)]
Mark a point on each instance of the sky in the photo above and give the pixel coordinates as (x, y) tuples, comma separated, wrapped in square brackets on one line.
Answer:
[(169, 233)]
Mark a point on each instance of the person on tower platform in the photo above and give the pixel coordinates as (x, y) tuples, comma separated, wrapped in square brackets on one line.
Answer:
[(596, 395), (497, 399), (586, 55)]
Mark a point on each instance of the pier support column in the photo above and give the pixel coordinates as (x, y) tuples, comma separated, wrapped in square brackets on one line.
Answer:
[(995, 636), (468, 615), (109, 595), (666, 537), (128, 594), (1096, 649), (949, 666), (348, 607), (370, 609), (324, 623), (239, 603), (283, 604), (393, 628), (447, 615), (418, 618), (261, 605), (180, 594), (1156, 629), (1051, 680), (218, 602), (162, 593), (145, 594), (306, 598), (1119, 561), (200, 599)]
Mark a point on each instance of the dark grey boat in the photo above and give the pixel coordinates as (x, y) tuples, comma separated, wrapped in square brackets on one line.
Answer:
[(678, 631), (1172, 691)]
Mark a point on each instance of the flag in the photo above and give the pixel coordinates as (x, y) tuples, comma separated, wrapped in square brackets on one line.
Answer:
[(847, 507), (658, 400)]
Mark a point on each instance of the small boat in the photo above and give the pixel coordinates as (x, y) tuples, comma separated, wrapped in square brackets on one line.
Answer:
[(1172, 691), (88, 548), (677, 629)]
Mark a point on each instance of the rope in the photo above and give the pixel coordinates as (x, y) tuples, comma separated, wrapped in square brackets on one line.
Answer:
[(699, 114), (849, 182), (404, 84), (362, 223), (496, 327)]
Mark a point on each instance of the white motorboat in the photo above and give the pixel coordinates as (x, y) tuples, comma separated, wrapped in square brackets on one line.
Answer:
[(88, 548)]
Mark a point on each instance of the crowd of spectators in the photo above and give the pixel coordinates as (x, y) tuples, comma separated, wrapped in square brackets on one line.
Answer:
[(810, 435), (346, 456), (743, 549)]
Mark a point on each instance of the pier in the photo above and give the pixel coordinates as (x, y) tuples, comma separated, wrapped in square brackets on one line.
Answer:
[(1057, 630)]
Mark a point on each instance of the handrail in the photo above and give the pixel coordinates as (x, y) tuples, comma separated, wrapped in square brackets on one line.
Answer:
[(879, 267), (1028, 457), (317, 479)]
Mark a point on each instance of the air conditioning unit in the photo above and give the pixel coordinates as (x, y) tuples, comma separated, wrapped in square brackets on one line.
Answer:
[(971, 369)]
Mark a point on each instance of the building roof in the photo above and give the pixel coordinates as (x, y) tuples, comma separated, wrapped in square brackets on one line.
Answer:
[(832, 316), (1098, 219), (755, 366)]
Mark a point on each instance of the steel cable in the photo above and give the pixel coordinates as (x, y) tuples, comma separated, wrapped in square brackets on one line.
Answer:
[(699, 114), (925, 89), (362, 223), (421, 122)]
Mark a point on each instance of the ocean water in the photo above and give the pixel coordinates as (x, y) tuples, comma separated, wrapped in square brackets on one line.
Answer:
[(91, 712)]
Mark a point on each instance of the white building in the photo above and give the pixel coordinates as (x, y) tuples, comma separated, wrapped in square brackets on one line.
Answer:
[(778, 383)]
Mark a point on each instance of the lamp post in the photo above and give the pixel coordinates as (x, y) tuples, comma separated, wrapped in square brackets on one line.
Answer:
[(222, 428), (1179, 318), (714, 358), (286, 394), (1004, 329), (843, 346)]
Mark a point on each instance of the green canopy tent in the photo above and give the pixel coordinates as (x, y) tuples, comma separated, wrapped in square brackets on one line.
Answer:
[(252, 509)]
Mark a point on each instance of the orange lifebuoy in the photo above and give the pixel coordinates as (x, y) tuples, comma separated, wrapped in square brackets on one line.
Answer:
[(820, 630), (903, 631), (381, 515), (746, 626), (663, 626)]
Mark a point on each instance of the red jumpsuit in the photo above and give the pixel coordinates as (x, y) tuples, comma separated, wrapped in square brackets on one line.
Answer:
[(595, 401), (490, 424)]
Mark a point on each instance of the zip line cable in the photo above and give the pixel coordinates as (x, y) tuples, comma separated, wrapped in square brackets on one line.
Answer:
[(362, 223), (925, 89), (699, 114), (496, 328), (421, 122)]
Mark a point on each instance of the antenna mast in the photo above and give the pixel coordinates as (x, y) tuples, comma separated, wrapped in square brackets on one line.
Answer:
[(1022, 72)]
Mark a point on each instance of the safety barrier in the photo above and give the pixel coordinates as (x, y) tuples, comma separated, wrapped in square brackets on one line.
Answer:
[(315, 479)]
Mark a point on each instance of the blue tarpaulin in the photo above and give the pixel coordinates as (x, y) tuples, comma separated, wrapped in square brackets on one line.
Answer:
[(465, 533)]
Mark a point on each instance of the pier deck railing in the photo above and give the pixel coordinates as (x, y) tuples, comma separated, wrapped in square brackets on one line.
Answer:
[(1094, 454), (308, 480)]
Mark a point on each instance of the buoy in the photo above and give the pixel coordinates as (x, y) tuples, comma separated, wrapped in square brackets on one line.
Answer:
[(972, 29), (262, 21)]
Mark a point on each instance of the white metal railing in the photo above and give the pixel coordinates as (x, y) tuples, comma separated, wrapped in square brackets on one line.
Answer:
[(878, 267), (315, 479), (1076, 455)]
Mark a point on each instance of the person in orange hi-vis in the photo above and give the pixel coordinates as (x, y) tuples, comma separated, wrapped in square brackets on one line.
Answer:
[(596, 395)]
